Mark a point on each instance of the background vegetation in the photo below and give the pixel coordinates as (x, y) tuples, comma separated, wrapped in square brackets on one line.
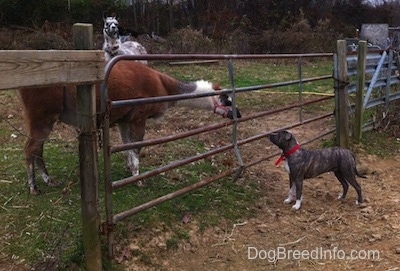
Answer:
[(262, 26)]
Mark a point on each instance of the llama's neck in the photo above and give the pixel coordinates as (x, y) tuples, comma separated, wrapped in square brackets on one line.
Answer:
[(207, 103), (111, 46), (186, 87)]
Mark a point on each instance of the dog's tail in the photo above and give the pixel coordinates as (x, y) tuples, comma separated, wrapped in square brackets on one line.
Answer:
[(360, 175), (355, 168)]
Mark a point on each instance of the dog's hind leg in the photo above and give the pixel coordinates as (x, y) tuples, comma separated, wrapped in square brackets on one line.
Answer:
[(357, 187), (345, 180), (345, 185)]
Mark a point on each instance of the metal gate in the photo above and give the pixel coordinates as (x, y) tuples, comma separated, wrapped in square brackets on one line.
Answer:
[(112, 185)]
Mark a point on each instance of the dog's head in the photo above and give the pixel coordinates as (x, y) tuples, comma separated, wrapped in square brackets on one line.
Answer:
[(283, 139)]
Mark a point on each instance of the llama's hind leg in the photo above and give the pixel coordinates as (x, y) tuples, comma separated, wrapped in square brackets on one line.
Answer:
[(132, 133)]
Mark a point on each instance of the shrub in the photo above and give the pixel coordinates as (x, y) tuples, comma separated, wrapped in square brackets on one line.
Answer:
[(190, 41)]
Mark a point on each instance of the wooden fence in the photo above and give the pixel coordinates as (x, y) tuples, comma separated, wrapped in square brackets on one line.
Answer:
[(83, 68), (372, 77)]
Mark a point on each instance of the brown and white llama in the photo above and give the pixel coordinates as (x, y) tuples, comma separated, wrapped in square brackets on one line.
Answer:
[(113, 46), (43, 106)]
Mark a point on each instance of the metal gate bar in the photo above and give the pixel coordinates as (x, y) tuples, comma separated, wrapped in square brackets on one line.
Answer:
[(123, 182), (139, 101), (150, 142), (152, 203), (133, 179), (166, 139), (172, 195)]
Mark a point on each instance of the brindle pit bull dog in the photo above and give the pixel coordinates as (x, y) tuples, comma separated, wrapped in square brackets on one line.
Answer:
[(304, 164)]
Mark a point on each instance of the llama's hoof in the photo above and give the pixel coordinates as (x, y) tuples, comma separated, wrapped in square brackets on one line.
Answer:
[(53, 183), (140, 184), (34, 190)]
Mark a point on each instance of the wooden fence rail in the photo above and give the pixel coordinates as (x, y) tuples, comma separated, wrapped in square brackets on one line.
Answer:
[(28, 68)]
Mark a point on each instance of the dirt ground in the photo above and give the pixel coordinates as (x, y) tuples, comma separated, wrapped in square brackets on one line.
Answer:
[(325, 234), (330, 235)]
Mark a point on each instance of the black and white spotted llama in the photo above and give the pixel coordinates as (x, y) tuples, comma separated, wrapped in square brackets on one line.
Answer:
[(113, 46)]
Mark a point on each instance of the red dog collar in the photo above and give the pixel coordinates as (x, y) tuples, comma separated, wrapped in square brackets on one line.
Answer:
[(287, 154)]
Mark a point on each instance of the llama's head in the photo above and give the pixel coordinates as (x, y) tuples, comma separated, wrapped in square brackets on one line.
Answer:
[(110, 28), (223, 105), (226, 101)]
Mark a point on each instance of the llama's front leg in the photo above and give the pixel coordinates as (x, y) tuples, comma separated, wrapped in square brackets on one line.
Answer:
[(132, 133), (132, 161)]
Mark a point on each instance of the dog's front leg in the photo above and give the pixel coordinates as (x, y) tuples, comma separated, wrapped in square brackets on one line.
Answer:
[(292, 192), (298, 183)]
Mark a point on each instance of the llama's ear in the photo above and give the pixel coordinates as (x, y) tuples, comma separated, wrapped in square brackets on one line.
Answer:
[(104, 16)]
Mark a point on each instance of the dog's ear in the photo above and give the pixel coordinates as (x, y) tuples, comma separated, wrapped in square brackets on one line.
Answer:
[(288, 135)]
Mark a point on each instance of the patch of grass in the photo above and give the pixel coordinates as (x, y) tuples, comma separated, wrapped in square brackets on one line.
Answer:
[(38, 229), (380, 143), (247, 73)]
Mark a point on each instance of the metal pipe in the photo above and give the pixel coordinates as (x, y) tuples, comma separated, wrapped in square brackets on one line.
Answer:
[(156, 141), (130, 102), (120, 216), (152, 203), (133, 179), (300, 89), (150, 142), (374, 78), (235, 121)]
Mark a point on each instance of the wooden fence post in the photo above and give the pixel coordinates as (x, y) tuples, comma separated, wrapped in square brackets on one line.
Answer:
[(359, 102), (342, 109), (86, 114)]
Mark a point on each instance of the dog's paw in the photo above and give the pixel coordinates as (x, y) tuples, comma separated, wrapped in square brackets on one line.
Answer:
[(288, 201), (297, 205), (340, 197)]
